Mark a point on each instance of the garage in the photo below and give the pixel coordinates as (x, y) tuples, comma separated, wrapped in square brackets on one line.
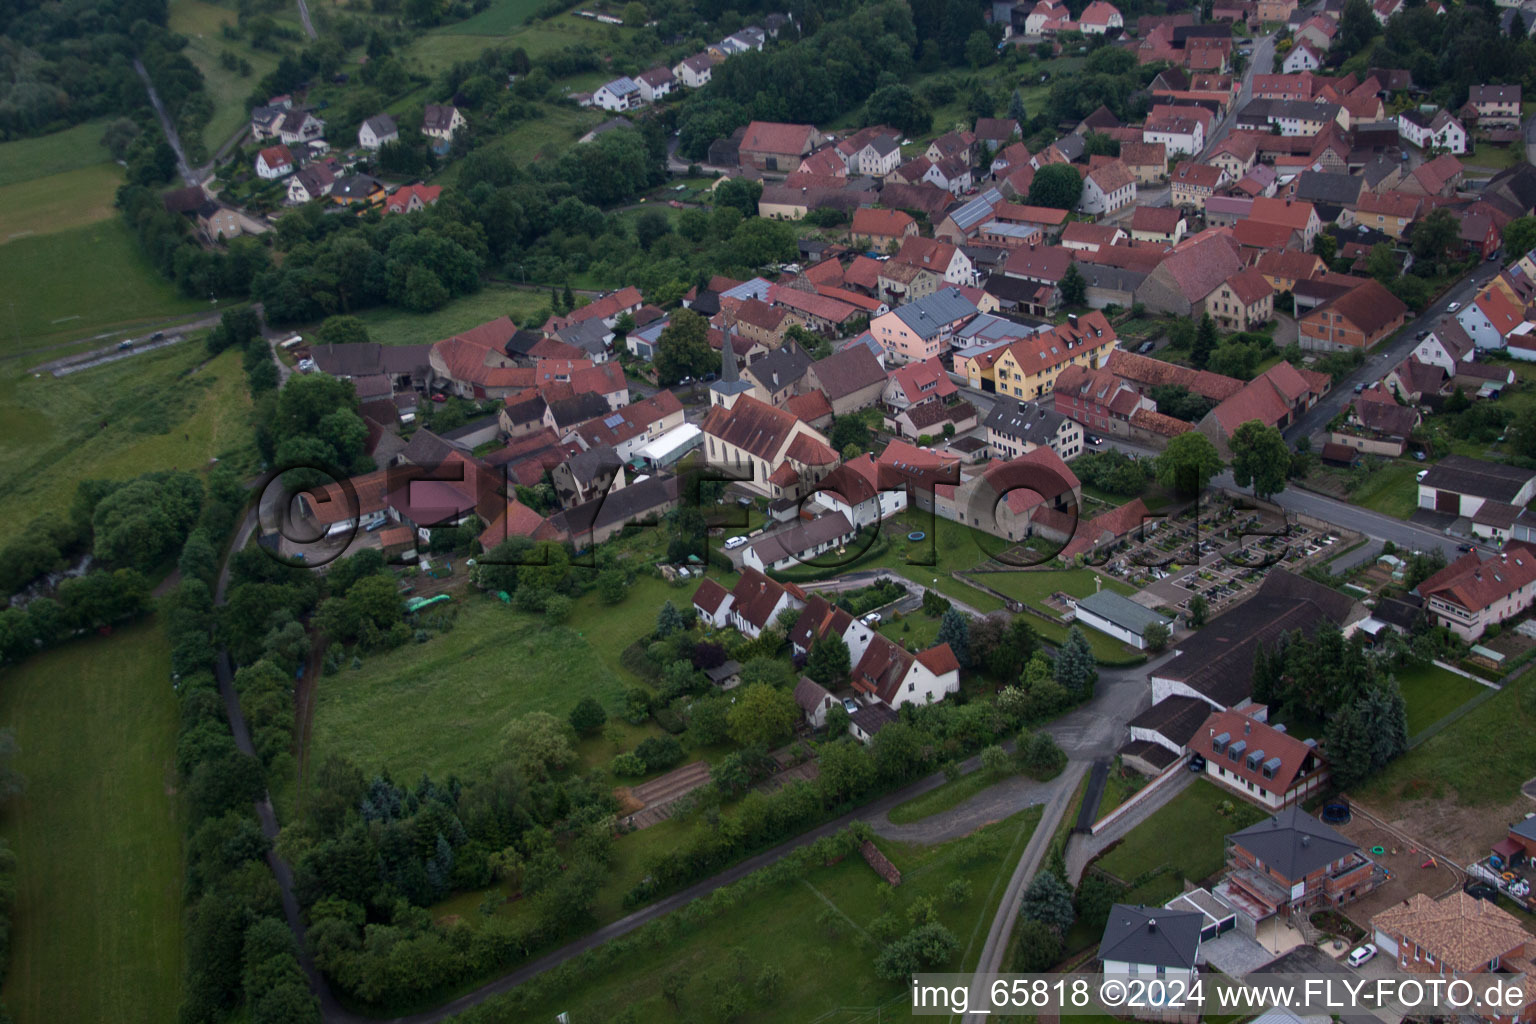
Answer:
[(1386, 943), (1448, 501)]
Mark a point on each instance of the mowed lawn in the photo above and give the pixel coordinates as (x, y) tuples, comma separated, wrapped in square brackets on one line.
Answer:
[(97, 934), (69, 199), (398, 327), (1187, 835), (498, 19), (1391, 490), (70, 283), (1035, 585), (1481, 758), (46, 155), (201, 23), (789, 930), (147, 412), (442, 706), (1431, 693)]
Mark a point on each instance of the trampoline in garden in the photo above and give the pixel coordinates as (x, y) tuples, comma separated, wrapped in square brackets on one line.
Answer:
[(916, 535), (1336, 813)]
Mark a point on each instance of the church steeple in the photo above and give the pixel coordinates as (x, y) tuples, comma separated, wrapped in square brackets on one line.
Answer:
[(728, 355)]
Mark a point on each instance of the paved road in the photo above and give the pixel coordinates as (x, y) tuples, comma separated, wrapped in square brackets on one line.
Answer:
[(1362, 520), (1081, 849), (189, 174), (309, 28), (1387, 355), (1058, 805), (1262, 62)]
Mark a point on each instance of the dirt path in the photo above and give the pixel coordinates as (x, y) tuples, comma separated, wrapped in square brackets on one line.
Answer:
[(304, 705)]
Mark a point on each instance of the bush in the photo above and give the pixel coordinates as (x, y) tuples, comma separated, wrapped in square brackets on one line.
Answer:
[(659, 752), (627, 766)]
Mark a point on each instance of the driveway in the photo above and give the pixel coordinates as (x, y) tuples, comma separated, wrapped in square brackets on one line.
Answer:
[(1235, 954)]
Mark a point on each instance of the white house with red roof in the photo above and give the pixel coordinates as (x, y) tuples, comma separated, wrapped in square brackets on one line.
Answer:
[(1246, 754), (750, 606), (855, 490), (1490, 318), (883, 672), (274, 162), (1099, 18), (410, 198), (608, 307), (1107, 188), (1473, 592), (918, 383)]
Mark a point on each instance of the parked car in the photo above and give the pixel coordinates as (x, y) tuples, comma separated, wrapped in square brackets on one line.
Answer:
[(1145, 347), (125, 344), (1453, 307), (734, 543), (439, 397), (1421, 335), (872, 619), (1362, 954), (850, 705), (1464, 548), (157, 336), (1095, 440), (1421, 474), (1418, 456), (1359, 388), (1196, 763)]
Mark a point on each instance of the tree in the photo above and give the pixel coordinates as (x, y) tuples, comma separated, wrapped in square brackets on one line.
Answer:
[(669, 620), (900, 107), (829, 661), (1205, 342), (995, 761), (588, 716), (1075, 668), (1199, 608), (343, 330), (1016, 110), (1357, 27), (1049, 901), (1381, 264), (1325, 247), (1056, 185), (980, 50), (1434, 234), (1157, 636), (763, 715), (924, 947), (683, 349), (1041, 757), (1260, 458), (635, 14), (1074, 287), (1038, 948), (838, 721), (538, 743), (955, 630), (1519, 237), (1187, 464), (1349, 747)]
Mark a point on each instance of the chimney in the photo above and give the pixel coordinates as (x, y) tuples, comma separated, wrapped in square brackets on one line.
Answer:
[(1306, 840), (1151, 924), (1072, 319)]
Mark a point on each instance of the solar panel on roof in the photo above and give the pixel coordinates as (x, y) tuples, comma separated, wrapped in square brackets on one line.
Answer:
[(613, 421)]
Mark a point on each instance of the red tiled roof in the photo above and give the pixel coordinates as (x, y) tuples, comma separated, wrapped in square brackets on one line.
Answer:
[(1144, 154), (922, 381), (1197, 175), (777, 138), (1474, 583), (1293, 214), (1106, 527), (939, 660), (1262, 739), (871, 222), (1163, 220), (811, 406), (815, 305), (1249, 286), (750, 425), (1153, 373), (1262, 235), (808, 451)]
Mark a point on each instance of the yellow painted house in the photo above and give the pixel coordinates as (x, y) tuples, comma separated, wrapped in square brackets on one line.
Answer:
[(1028, 368)]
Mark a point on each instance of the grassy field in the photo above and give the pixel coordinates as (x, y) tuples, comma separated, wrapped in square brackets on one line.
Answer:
[(1391, 490), (1502, 731), (97, 934), (200, 22), (117, 421), (1193, 816), (1034, 586), (498, 19), (47, 155), (441, 706), (541, 138), (949, 546), (71, 283), (789, 932), (1494, 158), (69, 199), (398, 327), (1432, 693), (950, 794)]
